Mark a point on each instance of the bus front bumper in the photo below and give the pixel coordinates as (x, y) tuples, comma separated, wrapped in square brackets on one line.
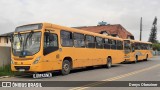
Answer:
[(26, 68)]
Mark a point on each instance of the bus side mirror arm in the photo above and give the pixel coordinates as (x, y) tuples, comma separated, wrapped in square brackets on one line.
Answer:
[(11, 38)]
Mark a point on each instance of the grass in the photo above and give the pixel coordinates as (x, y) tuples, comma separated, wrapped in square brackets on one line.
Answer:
[(6, 71)]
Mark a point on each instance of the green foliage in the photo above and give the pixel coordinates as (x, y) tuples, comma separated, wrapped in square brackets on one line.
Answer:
[(156, 46), (153, 33), (6, 71)]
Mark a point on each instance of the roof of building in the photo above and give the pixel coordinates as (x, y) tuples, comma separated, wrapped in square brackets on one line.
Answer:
[(6, 34), (115, 29)]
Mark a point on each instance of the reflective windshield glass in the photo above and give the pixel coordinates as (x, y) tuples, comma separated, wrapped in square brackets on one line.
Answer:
[(26, 44)]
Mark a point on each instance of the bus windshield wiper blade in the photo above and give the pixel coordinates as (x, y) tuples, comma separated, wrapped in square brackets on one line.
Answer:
[(20, 37), (25, 42), (28, 36)]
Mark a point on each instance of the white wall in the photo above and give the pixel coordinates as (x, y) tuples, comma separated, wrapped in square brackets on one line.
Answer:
[(3, 43)]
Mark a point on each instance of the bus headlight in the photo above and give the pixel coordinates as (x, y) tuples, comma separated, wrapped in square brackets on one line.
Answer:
[(12, 62), (37, 60)]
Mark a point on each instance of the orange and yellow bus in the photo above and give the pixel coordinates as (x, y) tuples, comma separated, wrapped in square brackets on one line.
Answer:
[(137, 50), (47, 47)]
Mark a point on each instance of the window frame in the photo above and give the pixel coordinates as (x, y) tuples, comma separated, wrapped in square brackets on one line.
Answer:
[(89, 42), (70, 36), (114, 46), (119, 45), (99, 43), (106, 44), (74, 39), (52, 46)]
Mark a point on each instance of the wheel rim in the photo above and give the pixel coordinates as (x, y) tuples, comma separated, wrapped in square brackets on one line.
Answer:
[(66, 67), (109, 62)]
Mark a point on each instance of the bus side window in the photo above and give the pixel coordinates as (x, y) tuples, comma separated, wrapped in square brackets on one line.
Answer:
[(66, 39), (113, 45), (119, 45), (78, 40), (142, 47), (89, 40), (133, 47), (107, 44), (136, 46), (145, 46), (99, 42), (122, 45), (50, 43)]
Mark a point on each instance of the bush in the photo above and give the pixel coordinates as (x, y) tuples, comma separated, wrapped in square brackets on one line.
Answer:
[(6, 70), (156, 46)]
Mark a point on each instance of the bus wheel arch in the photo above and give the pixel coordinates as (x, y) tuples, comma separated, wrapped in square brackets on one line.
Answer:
[(109, 62), (146, 57), (136, 59), (67, 65)]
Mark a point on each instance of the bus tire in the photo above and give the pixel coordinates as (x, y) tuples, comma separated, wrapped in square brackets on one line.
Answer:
[(136, 59), (109, 62), (66, 67)]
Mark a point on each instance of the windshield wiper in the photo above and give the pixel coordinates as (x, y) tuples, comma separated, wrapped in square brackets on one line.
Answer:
[(25, 42), (20, 38), (28, 36)]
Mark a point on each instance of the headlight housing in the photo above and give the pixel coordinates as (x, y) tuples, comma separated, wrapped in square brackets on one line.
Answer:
[(12, 62), (37, 60)]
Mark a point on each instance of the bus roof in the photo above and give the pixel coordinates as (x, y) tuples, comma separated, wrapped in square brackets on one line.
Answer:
[(49, 25), (138, 41), (84, 31)]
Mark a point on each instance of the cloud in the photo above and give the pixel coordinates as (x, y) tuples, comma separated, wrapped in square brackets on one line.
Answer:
[(80, 13)]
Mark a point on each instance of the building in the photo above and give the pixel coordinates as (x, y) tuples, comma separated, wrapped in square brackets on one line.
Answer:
[(115, 30), (5, 40), (5, 49)]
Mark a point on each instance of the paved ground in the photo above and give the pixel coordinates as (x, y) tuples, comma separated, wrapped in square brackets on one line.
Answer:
[(142, 71)]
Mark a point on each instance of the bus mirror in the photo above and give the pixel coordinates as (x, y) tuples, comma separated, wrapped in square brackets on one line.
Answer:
[(11, 38)]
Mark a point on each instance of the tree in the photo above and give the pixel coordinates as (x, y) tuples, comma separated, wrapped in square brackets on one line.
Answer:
[(153, 34), (156, 46)]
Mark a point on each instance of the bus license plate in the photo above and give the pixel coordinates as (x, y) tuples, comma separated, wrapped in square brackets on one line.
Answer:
[(21, 70)]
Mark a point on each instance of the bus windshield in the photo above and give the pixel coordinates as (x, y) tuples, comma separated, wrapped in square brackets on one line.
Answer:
[(26, 44)]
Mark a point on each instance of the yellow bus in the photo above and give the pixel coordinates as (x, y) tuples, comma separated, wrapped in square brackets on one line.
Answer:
[(47, 47), (137, 50)]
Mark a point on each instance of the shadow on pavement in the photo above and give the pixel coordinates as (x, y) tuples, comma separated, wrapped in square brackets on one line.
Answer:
[(58, 73)]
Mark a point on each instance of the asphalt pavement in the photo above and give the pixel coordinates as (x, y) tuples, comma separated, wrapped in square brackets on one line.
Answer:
[(98, 77)]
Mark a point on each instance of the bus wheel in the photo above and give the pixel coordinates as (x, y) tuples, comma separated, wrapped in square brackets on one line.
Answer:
[(66, 67), (136, 59), (109, 62), (146, 58)]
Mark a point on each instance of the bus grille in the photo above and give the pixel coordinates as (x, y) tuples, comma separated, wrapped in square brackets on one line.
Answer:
[(22, 67)]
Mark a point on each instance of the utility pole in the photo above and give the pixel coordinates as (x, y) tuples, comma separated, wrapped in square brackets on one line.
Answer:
[(140, 29)]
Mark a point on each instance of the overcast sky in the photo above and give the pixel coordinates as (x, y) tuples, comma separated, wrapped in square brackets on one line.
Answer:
[(81, 13)]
